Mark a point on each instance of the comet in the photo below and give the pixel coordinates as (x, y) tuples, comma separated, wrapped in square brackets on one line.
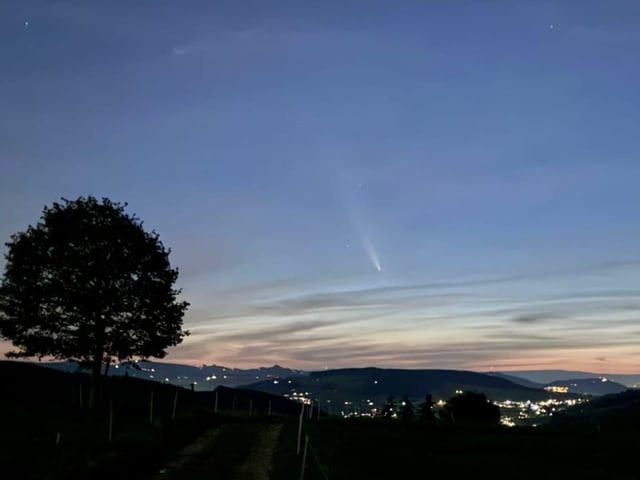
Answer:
[(371, 252), (357, 219)]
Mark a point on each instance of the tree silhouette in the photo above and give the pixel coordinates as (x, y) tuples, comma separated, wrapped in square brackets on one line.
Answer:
[(389, 408), (425, 409), (406, 409), (472, 407), (88, 284)]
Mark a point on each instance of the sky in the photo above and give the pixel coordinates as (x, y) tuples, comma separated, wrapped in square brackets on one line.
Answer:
[(350, 183)]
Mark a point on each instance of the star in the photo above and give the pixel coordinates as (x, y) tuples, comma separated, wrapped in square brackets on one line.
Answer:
[(26, 23), (551, 26)]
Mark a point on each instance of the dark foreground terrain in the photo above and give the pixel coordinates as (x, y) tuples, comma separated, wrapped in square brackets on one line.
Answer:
[(136, 429), (49, 433), (357, 449)]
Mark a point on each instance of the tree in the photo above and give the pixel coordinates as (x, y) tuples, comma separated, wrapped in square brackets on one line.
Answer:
[(89, 284), (406, 410), (472, 407), (425, 409), (389, 408)]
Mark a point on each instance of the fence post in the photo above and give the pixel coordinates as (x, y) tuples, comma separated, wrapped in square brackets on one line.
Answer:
[(175, 404), (304, 456), (151, 409), (300, 429), (110, 420), (215, 406)]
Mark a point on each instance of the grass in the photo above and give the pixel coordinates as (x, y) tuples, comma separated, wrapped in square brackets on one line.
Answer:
[(78, 445), (48, 434), (379, 449)]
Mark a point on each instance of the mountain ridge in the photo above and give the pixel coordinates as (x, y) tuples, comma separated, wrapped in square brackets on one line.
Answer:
[(207, 377), (545, 377)]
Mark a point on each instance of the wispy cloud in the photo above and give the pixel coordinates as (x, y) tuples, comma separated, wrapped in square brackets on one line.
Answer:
[(185, 50), (420, 306), (453, 324), (528, 318)]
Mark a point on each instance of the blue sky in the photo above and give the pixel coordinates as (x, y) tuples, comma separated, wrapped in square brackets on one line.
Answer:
[(483, 155)]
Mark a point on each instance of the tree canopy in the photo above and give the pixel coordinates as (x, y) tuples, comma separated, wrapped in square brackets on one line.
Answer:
[(88, 283), (473, 407)]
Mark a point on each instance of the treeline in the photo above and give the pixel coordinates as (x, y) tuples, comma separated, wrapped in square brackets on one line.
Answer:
[(466, 407)]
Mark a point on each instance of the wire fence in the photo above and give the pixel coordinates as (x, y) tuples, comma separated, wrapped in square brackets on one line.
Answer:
[(308, 450)]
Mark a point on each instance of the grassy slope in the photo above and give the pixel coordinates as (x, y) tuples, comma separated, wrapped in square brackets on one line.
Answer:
[(358, 385), (47, 433), (370, 449)]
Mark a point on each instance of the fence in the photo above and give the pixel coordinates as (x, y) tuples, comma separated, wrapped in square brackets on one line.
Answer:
[(308, 447)]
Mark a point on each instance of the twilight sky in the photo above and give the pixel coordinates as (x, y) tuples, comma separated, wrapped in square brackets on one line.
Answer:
[(420, 184)]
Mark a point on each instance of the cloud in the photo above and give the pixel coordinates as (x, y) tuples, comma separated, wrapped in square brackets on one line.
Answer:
[(279, 332), (290, 345), (184, 50), (277, 298), (384, 293), (529, 318), (448, 324)]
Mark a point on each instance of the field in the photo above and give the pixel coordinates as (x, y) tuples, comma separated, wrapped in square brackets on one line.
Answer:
[(389, 449)]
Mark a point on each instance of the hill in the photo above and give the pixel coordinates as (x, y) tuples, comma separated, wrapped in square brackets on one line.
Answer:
[(584, 385), (365, 387), (619, 411), (202, 378), (518, 380), (588, 386), (546, 377), (49, 431)]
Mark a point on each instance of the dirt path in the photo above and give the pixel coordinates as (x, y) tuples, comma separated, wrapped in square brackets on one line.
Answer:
[(233, 451), (187, 456), (259, 464)]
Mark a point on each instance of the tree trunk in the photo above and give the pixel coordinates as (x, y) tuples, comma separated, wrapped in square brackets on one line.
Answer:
[(96, 381), (96, 368)]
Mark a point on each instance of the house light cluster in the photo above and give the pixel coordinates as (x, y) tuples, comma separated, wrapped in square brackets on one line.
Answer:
[(532, 413)]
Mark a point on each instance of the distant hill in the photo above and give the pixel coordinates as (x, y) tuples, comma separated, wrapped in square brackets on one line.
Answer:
[(620, 410), (358, 383), (28, 384), (589, 386), (203, 378), (356, 386), (518, 380), (545, 377)]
